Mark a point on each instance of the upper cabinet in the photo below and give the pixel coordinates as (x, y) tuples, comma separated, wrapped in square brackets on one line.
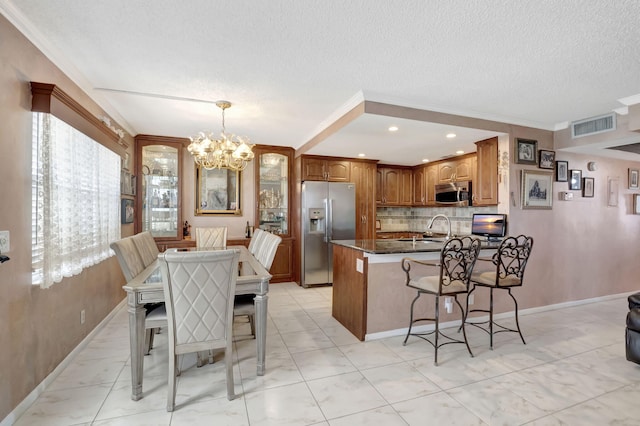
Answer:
[(485, 185), (363, 175), (159, 171), (394, 186), (424, 180), (324, 168), (273, 188), (456, 169)]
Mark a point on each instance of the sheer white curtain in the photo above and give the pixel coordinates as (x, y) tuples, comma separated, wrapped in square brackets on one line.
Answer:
[(75, 200)]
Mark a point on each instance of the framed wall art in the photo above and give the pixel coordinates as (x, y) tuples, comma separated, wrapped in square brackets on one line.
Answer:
[(587, 187), (613, 186), (217, 191), (575, 179), (562, 171), (526, 151), (633, 178), (636, 203), (547, 159), (127, 211), (537, 189)]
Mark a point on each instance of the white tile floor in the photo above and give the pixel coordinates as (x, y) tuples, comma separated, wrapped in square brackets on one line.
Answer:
[(571, 372)]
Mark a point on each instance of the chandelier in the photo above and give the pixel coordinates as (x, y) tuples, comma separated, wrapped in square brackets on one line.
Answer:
[(225, 151)]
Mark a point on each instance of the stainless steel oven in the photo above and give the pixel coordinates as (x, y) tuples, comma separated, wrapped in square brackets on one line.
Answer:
[(454, 193)]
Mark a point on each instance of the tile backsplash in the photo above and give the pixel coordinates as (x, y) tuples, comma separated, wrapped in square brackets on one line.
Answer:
[(415, 219)]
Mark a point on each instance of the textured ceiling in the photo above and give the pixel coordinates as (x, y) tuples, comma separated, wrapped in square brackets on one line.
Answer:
[(291, 66)]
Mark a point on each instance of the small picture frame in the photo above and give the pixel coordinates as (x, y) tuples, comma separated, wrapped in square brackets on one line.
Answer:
[(127, 211), (588, 187), (613, 186), (546, 159), (562, 171), (633, 178), (575, 179), (537, 189), (526, 151), (636, 203)]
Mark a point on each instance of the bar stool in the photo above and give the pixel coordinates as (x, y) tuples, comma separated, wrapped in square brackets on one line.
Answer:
[(457, 259), (510, 262)]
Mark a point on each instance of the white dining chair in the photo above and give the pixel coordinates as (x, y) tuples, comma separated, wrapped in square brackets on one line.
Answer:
[(199, 290), (131, 264), (267, 250), (146, 246), (211, 237), (256, 240)]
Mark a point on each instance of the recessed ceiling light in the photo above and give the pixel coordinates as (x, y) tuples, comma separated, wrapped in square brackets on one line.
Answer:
[(459, 152), (362, 155), (451, 135), (425, 160), (393, 128)]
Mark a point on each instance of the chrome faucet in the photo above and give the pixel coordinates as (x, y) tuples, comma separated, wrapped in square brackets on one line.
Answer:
[(443, 217)]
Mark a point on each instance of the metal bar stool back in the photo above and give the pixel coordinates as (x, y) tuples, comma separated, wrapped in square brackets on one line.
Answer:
[(510, 262), (457, 258)]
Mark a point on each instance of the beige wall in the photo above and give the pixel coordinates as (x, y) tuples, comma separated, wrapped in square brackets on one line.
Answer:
[(39, 328)]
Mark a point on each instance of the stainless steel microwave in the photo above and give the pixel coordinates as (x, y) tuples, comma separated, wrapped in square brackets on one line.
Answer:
[(454, 193)]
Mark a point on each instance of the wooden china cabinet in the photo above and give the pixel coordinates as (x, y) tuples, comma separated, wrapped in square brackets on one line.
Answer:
[(273, 203)]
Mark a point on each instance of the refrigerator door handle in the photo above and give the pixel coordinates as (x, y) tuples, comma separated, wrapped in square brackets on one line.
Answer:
[(327, 221), (329, 232)]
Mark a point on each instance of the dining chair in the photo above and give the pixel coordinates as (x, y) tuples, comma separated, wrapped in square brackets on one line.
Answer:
[(131, 264), (457, 258), (199, 288), (267, 250), (265, 253), (211, 237), (256, 240), (510, 261), (146, 246)]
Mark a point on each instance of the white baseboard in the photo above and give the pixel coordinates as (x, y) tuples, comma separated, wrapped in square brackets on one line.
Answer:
[(430, 327), (24, 405)]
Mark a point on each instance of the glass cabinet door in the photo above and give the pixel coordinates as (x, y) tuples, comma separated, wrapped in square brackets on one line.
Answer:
[(160, 196), (273, 200)]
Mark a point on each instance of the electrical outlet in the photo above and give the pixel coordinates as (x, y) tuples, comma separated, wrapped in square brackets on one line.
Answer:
[(82, 317), (471, 298), (448, 304), (5, 245)]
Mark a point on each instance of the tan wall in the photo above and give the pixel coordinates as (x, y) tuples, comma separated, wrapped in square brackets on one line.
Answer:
[(39, 328)]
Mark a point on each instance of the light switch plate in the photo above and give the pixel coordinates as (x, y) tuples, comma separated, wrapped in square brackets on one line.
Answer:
[(5, 245)]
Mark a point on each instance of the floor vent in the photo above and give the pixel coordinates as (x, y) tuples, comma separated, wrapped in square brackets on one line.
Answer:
[(592, 126)]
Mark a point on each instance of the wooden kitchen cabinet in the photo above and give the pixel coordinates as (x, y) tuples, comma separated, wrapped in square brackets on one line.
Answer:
[(425, 179), (282, 266), (394, 186), (363, 174), (325, 168), (485, 184), (458, 169)]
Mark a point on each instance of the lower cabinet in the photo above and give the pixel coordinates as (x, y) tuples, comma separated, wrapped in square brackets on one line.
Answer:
[(163, 245), (282, 267)]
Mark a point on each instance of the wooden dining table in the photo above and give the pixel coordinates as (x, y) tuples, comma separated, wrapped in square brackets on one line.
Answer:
[(146, 287)]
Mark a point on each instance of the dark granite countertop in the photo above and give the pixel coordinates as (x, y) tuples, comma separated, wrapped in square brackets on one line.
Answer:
[(397, 246)]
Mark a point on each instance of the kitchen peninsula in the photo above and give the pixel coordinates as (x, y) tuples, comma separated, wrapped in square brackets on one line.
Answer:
[(370, 297)]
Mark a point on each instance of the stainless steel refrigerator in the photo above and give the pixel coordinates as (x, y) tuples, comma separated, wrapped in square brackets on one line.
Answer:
[(328, 213)]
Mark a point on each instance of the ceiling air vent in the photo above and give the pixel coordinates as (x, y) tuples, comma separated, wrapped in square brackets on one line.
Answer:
[(592, 126)]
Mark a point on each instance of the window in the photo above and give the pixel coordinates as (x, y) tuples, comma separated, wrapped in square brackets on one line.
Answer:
[(75, 200)]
